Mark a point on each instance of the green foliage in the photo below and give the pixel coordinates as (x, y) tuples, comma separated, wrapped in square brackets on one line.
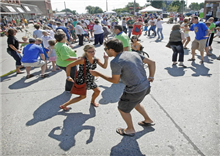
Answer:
[(180, 4), (68, 10), (93, 10), (157, 4), (120, 10), (196, 6), (174, 8)]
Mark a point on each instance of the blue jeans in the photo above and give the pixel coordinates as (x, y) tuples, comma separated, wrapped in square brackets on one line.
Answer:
[(177, 49), (152, 28), (159, 33), (129, 32), (17, 57)]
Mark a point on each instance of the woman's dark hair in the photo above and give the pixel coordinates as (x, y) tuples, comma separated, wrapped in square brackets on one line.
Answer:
[(11, 32), (114, 44), (133, 37), (96, 22), (36, 26), (119, 27), (123, 18), (59, 36)]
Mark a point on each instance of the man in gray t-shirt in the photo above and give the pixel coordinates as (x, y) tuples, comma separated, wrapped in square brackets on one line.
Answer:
[(128, 66)]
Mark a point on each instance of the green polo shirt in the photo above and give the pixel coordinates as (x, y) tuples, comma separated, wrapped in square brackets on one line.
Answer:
[(124, 39), (212, 26), (63, 52)]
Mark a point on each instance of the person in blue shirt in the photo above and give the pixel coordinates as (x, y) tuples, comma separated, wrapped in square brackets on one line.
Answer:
[(201, 31), (31, 53), (64, 29)]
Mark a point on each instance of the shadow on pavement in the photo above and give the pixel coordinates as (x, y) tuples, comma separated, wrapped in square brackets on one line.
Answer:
[(49, 109), (8, 77), (175, 71), (111, 94), (72, 125), (129, 145), (200, 70), (23, 82)]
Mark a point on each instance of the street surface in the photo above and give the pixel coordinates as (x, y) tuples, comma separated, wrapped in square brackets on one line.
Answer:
[(184, 104)]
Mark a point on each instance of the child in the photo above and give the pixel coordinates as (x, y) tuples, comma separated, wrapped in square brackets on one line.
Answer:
[(24, 38), (217, 32), (52, 54), (186, 33), (207, 41), (86, 34)]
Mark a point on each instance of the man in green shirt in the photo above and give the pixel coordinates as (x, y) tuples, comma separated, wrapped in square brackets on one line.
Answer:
[(65, 56), (122, 37), (130, 24)]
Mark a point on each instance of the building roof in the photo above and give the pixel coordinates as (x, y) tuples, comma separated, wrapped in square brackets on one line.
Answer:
[(8, 8), (32, 9)]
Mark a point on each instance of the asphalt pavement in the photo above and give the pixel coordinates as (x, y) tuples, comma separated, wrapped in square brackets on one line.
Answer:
[(184, 104)]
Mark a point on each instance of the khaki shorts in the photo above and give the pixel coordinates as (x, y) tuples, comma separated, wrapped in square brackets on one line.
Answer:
[(199, 44), (35, 64)]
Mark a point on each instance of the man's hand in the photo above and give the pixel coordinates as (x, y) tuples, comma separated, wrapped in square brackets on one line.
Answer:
[(94, 73), (105, 57), (18, 51), (150, 79)]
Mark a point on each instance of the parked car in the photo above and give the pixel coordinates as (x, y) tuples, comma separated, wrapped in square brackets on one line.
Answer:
[(188, 14)]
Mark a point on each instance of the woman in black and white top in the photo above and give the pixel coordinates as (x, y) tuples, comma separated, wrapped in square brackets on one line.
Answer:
[(98, 33)]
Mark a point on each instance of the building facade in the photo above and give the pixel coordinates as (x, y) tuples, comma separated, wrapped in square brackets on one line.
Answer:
[(212, 9), (44, 5)]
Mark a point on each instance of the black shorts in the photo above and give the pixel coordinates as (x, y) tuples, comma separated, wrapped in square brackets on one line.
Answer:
[(209, 40), (129, 100)]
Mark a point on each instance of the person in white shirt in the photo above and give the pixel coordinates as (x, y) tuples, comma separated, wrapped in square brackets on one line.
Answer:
[(159, 29), (152, 22), (45, 38), (98, 33), (79, 32)]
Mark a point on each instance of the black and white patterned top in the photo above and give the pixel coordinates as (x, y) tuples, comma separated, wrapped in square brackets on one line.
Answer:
[(89, 78)]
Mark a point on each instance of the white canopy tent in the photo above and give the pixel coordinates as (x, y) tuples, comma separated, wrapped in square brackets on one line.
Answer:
[(150, 9), (110, 12)]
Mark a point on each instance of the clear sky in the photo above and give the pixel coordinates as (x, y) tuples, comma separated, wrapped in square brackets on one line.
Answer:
[(80, 5)]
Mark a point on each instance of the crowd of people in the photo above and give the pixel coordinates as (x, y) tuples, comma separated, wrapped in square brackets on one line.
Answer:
[(53, 42)]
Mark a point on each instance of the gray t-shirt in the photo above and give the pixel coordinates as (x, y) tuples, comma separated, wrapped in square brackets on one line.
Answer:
[(130, 66)]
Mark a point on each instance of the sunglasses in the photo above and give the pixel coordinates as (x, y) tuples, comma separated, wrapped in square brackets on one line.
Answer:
[(91, 51)]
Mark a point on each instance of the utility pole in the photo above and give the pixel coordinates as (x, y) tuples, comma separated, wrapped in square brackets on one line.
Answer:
[(65, 7), (134, 7), (106, 5)]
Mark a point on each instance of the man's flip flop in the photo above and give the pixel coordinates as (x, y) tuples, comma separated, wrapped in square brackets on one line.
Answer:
[(142, 123), (121, 131)]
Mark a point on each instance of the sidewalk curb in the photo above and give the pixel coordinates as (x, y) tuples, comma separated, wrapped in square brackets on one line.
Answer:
[(8, 73)]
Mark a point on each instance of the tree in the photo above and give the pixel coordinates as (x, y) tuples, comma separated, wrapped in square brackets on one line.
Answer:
[(180, 3), (93, 10), (68, 10), (157, 4), (194, 6), (201, 5), (172, 8)]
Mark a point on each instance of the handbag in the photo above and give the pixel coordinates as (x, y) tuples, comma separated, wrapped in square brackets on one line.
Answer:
[(136, 29), (168, 45), (79, 89)]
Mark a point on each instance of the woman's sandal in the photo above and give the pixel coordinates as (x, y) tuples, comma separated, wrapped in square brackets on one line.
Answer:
[(20, 73), (64, 108), (29, 76), (45, 75)]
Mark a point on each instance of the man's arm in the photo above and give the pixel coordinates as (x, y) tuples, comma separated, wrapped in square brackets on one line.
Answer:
[(114, 79), (151, 67)]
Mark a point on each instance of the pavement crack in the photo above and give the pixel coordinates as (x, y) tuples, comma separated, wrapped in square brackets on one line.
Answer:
[(178, 127)]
